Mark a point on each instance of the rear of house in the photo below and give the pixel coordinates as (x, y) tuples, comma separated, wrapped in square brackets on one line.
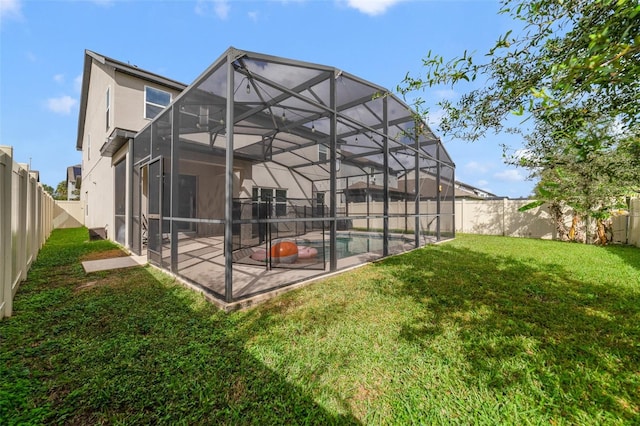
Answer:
[(212, 181), (117, 101)]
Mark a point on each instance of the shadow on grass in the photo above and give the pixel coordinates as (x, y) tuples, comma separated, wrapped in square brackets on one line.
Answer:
[(628, 254), (130, 349), (526, 327)]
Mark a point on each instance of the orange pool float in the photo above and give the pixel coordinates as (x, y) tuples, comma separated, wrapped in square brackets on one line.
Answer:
[(284, 252)]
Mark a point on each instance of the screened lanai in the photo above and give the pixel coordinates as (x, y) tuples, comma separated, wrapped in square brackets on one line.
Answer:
[(267, 171)]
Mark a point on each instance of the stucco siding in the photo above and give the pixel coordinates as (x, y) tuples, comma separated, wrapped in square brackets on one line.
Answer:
[(272, 175), (96, 194), (129, 101)]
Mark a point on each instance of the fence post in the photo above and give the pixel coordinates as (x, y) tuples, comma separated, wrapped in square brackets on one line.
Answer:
[(6, 239), (6, 173), (31, 227), (504, 216), (634, 222), (21, 232)]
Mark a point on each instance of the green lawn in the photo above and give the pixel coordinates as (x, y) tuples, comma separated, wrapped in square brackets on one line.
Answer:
[(480, 330)]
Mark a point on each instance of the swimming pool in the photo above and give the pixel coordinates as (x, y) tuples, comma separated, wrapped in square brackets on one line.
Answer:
[(351, 244)]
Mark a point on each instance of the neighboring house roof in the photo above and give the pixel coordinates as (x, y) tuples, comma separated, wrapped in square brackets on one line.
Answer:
[(428, 186), (361, 186), (468, 191), (120, 67), (74, 173)]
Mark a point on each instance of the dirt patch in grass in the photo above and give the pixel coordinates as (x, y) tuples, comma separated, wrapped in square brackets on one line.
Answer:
[(105, 254), (111, 280), (85, 286)]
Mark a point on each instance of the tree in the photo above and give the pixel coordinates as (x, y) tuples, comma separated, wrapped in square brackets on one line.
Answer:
[(584, 163), (568, 54), (61, 191), (48, 189), (572, 71)]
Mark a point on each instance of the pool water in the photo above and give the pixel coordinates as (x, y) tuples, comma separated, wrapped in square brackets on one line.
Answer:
[(352, 245)]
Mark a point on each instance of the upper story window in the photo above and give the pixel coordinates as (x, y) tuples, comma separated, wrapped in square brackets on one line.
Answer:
[(108, 109), (323, 152), (155, 100)]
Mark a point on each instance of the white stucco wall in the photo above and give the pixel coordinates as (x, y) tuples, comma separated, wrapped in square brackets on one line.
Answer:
[(126, 112), (270, 175), (96, 194)]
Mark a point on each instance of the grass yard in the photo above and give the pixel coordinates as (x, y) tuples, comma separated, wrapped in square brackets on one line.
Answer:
[(480, 330)]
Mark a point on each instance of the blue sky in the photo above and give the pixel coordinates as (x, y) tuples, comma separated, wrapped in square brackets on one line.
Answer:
[(42, 48)]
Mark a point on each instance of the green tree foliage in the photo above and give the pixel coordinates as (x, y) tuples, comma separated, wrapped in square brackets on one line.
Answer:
[(572, 69), (585, 164), (567, 54), (48, 189), (61, 191)]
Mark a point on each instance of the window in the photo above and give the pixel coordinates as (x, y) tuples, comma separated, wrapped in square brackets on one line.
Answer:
[(320, 204), (155, 100), (323, 153), (265, 195), (281, 202), (108, 108)]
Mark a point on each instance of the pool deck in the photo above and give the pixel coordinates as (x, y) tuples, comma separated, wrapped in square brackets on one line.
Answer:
[(201, 267)]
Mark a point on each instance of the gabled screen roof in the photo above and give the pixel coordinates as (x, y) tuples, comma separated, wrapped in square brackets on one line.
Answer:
[(283, 110)]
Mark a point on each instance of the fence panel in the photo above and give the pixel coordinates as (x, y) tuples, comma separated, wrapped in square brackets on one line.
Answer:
[(501, 217), (26, 221)]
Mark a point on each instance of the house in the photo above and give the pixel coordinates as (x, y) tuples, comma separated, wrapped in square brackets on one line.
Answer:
[(241, 183), (464, 190), (117, 101), (74, 180)]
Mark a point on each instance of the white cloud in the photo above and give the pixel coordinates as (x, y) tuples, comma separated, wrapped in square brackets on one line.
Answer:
[(222, 9), (253, 15), (77, 83), (62, 105), (219, 8), (10, 9), (202, 8), (58, 78), (475, 167), (446, 94), (510, 175), (372, 7)]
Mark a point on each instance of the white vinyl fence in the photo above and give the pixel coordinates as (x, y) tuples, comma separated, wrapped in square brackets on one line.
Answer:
[(632, 223), (495, 217), (501, 217), (68, 214), (26, 221)]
